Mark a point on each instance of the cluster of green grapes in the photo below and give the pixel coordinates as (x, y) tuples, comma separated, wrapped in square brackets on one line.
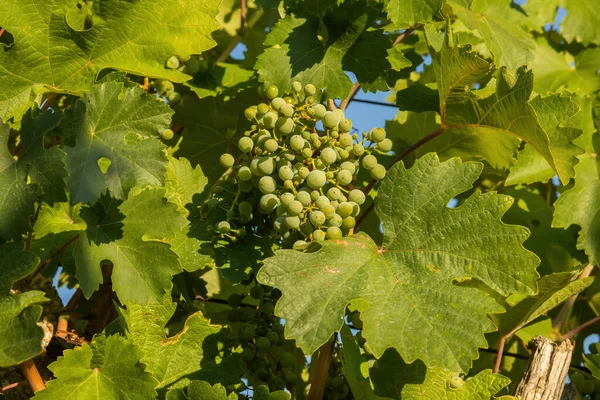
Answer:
[(587, 386), (186, 64), (294, 177), (268, 356)]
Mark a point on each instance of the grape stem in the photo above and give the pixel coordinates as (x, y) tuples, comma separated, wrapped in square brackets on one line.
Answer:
[(321, 371), (31, 373), (356, 86), (242, 16), (581, 327)]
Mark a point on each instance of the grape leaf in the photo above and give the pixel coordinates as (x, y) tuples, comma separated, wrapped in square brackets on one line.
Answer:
[(50, 54), (108, 368), (20, 337), (132, 235), (201, 390), (193, 350), (393, 378), (182, 183), (221, 78), (405, 14), (121, 125), (59, 218), (582, 22), (510, 45), (592, 362), (16, 194), (503, 112), (422, 253), (418, 98), (580, 205), (46, 166)]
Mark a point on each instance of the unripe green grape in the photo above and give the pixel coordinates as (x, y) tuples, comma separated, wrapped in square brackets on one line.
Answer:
[(262, 343), (319, 235), (167, 134), (245, 208), (271, 145), (348, 222), (213, 203), (289, 377), (345, 209), (241, 232), (192, 66), (292, 221), (378, 172), (385, 145), (310, 89), (333, 193), (244, 173), (316, 143), (285, 125), (317, 218), (266, 184), (344, 177), (272, 91), (289, 100), (164, 86), (333, 232), (331, 119), (266, 165), (269, 202), (276, 103), (230, 214), (319, 110), (285, 173), (316, 179), (295, 207), (244, 219), (245, 144), (249, 353), (358, 149), (377, 135), (270, 119), (304, 198), (173, 62), (226, 160), (218, 189), (314, 195), (329, 175), (288, 184), (345, 125), (286, 198), (348, 166), (297, 86), (174, 98), (456, 382), (357, 196), (369, 162), (329, 211), (262, 108), (250, 113), (345, 140), (287, 110), (297, 142), (274, 336), (322, 202), (234, 300), (247, 333), (223, 227), (286, 359), (328, 156), (307, 152), (342, 198), (257, 292), (335, 220), (344, 154), (298, 245)]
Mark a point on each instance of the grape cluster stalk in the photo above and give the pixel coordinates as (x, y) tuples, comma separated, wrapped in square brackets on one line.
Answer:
[(297, 170)]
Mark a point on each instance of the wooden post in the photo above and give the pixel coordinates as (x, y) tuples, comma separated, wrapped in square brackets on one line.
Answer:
[(547, 371)]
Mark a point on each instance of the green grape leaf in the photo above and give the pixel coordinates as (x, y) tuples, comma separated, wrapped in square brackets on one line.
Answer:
[(182, 183), (554, 289), (580, 205), (193, 350), (555, 247), (422, 253), (17, 196), (119, 124), (59, 218), (506, 111), (592, 362), (582, 22), (405, 14), (418, 98), (397, 59), (555, 72), (132, 235), (221, 78), (46, 166), (395, 379), (510, 45), (552, 112), (107, 369), (20, 336), (201, 390), (50, 54)]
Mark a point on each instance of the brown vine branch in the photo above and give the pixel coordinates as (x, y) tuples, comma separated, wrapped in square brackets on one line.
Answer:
[(242, 16), (566, 309), (1, 31), (31, 373), (321, 371), (581, 327), (53, 256), (10, 386)]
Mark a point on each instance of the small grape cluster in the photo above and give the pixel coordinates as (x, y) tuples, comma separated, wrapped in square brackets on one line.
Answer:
[(298, 179), (268, 356)]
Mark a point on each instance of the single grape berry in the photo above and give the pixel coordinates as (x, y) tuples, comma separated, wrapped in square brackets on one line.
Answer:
[(310, 89), (173, 62), (262, 108), (317, 218), (174, 98), (271, 145), (226, 160), (268, 203), (369, 162), (257, 292), (295, 207), (328, 156), (345, 125), (276, 103), (322, 202), (167, 134), (304, 198), (270, 119), (272, 91), (345, 140), (344, 177), (348, 166), (385, 145), (299, 245), (331, 119), (348, 222), (297, 86), (297, 142), (335, 220), (456, 382), (245, 144), (285, 173), (377, 135), (319, 235), (287, 110), (250, 113), (316, 179), (319, 110), (333, 193), (223, 227), (286, 359), (357, 196), (358, 149), (285, 125), (244, 173), (234, 300), (378, 172), (292, 222)]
